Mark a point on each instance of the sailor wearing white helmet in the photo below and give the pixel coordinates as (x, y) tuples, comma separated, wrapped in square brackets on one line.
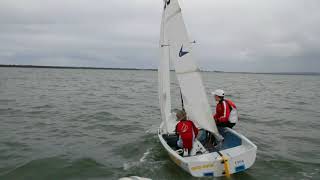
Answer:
[(226, 111)]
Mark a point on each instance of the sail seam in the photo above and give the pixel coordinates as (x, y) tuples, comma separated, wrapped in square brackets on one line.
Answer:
[(174, 14)]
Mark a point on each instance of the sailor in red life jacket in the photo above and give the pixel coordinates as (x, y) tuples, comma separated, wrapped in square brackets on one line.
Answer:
[(223, 109), (186, 130)]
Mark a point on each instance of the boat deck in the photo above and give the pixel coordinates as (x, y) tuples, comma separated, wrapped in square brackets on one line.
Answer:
[(230, 141)]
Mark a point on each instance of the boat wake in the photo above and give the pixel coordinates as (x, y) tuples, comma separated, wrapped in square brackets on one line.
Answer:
[(134, 178), (147, 160), (129, 165), (143, 158)]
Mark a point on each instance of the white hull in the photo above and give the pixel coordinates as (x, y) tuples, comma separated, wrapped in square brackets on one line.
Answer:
[(240, 157)]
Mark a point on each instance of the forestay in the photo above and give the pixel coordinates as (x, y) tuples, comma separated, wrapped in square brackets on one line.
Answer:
[(188, 75)]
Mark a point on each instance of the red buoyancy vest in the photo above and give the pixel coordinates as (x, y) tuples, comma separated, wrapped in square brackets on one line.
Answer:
[(222, 112), (234, 116), (186, 129), (232, 104)]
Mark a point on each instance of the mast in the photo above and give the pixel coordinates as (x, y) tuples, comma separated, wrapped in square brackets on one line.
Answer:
[(182, 104)]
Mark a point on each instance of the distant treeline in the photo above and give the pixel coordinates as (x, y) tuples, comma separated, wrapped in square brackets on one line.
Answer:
[(139, 69), (278, 73), (70, 67)]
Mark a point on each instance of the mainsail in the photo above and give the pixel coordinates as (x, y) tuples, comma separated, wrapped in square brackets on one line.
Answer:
[(164, 79), (176, 42)]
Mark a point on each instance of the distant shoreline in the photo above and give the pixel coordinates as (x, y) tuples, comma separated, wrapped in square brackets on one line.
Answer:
[(72, 67), (139, 69)]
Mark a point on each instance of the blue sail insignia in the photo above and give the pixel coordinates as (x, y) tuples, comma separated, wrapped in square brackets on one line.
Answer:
[(182, 53)]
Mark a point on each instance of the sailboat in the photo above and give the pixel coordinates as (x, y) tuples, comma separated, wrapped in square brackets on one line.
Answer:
[(233, 154)]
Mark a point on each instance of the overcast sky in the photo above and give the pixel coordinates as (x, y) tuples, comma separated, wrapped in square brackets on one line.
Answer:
[(231, 35)]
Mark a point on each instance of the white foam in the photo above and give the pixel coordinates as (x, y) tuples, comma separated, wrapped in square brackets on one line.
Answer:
[(129, 165), (143, 158), (134, 178)]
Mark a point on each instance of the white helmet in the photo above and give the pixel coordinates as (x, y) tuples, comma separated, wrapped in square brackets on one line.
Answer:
[(218, 92)]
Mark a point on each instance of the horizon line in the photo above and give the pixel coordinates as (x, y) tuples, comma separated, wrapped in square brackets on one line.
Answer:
[(148, 69)]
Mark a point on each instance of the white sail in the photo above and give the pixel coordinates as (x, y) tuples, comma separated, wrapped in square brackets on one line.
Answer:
[(164, 80), (189, 78), (176, 48)]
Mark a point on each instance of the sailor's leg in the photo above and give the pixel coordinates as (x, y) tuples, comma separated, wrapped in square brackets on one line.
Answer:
[(202, 136), (180, 143)]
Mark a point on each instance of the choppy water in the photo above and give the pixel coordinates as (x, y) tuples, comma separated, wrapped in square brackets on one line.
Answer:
[(101, 124)]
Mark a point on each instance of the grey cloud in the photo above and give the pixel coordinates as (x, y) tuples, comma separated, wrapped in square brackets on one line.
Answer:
[(243, 35), (254, 35)]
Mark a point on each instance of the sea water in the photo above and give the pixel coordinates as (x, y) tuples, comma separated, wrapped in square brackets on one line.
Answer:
[(102, 124)]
